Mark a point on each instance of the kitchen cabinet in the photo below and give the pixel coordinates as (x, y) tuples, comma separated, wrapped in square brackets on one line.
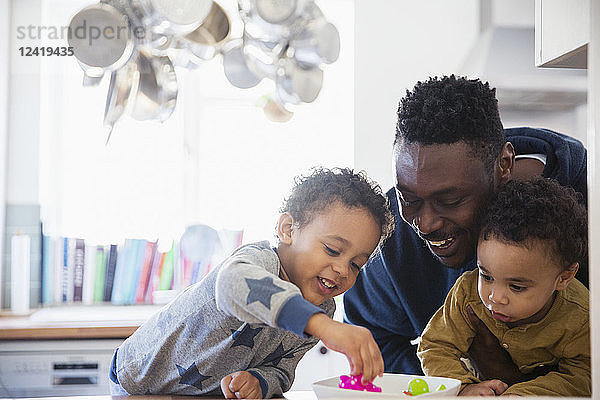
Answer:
[(63, 351), (562, 33), (66, 351)]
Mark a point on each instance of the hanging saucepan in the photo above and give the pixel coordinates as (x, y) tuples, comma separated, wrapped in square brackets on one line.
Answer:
[(275, 111), (101, 39), (271, 20), (236, 69), (156, 95), (171, 17), (119, 93), (275, 11), (318, 43), (206, 40), (262, 57), (298, 84), (145, 36)]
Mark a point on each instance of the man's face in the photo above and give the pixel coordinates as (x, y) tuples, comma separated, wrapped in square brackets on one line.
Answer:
[(442, 190)]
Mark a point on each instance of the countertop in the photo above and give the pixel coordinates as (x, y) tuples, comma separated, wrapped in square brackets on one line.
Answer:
[(75, 322), (293, 395)]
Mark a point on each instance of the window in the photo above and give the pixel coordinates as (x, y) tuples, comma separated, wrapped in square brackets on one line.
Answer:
[(217, 160)]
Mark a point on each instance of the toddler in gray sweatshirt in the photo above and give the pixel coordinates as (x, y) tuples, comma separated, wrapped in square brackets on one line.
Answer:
[(241, 330)]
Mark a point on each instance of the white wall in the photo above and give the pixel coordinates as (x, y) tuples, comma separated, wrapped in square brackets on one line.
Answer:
[(4, 74), (398, 43), (24, 109), (572, 122)]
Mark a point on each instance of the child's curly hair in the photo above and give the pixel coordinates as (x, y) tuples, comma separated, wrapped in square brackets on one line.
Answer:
[(322, 187), (539, 208)]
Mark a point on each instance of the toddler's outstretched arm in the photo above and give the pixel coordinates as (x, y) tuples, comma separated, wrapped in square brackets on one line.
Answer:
[(355, 342)]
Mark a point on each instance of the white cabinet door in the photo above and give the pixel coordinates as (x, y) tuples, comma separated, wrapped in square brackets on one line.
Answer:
[(319, 363), (562, 32)]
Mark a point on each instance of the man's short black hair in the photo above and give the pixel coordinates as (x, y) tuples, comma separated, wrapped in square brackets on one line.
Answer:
[(448, 110), (315, 192), (542, 209)]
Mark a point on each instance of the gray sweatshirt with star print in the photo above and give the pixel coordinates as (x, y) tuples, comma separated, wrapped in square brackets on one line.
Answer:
[(240, 317)]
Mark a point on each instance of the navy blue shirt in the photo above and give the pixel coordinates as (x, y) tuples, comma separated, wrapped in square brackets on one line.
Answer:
[(401, 288)]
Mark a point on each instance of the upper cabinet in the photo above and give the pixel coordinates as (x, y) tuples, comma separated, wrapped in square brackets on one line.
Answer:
[(562, 33)]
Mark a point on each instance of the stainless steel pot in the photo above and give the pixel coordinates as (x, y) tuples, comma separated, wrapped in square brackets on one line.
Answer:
[(101, 39), (298, 84), (206, 40), (119, 94), (156, 94), (236, 69), (318, 43), (171, 17)]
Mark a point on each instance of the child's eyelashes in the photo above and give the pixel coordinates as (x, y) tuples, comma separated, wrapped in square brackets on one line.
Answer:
[(335, 253), (331, 251), (485, 277), (517, 288)]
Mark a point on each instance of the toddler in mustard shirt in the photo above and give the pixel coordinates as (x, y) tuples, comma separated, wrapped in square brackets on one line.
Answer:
[(524, 291)]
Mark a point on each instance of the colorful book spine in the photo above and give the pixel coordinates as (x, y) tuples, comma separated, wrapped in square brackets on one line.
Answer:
[(118, 291), (89, 274), (135, 270), (47, 270), (144, 279), (65, 271), (78, 264), (166, 277), (99, 274), (58, 244), (111, 265)]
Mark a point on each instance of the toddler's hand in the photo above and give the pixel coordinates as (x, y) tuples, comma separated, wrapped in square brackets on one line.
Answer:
[(241, 385), (355, 342), (493, 387)]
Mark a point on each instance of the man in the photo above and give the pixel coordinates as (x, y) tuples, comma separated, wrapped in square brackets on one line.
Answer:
[(450, 153)]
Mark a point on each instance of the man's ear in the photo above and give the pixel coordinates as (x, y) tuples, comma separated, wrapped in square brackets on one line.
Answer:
[(505, 163), (285, 226), (567, 276)]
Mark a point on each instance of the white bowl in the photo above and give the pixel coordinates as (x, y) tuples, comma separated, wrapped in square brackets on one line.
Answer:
[(392, 387)]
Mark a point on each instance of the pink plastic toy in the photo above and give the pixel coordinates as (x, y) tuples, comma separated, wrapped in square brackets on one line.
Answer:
[(354, 383)]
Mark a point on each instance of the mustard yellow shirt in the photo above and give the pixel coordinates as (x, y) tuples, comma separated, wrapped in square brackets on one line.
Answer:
[(562, 337)]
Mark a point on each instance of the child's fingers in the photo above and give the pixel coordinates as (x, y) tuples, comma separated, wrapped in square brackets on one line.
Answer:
[(246, 386), (355, 364), (225, 388), (373, 365), (497, 386), (237, 381)]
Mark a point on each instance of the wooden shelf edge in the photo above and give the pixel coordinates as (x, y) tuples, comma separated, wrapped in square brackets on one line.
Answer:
[(47, 332)]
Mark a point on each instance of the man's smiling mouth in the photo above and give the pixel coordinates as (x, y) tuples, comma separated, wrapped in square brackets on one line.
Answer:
[(441, 244)]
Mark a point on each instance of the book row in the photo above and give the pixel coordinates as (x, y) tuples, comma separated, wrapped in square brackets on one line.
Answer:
[(129, 273)]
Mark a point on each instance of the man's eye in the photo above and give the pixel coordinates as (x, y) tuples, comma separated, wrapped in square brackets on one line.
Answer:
[(451, 203), (407, 203), (331, 251)]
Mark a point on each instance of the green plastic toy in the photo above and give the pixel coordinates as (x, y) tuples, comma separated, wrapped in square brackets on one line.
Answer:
[(418, 386)]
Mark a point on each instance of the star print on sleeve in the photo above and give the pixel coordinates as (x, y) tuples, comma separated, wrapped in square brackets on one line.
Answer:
[(261, 290), (245, 337), (275, 357), (191, 376)]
